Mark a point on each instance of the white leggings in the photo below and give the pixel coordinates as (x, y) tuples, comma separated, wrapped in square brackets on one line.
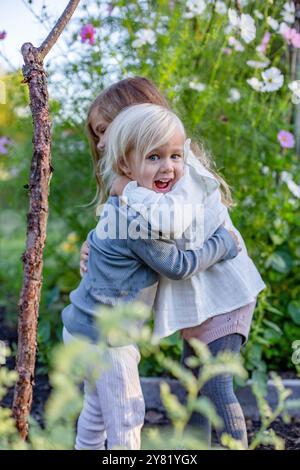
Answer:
[(114, 407)]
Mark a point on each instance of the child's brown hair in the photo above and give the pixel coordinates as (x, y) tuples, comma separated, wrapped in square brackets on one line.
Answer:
[(108, 104)]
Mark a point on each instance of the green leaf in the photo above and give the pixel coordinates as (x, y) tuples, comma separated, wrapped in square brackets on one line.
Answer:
[(280, 261), (260, 382), (275, 310), (294, 311), (272, 325)]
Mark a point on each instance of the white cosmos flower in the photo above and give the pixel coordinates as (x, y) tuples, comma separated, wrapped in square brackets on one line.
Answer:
[(195, 7), (258, 64), (265, 170), (197, 86), (295, 88), (294, 188), (287, 178), (288, 12), (234, 95), (273, 79), (255, 83), (244, 23), (248, 29), (273, 23), (282, 27), (233, 17), (221, 7), (144, 36)]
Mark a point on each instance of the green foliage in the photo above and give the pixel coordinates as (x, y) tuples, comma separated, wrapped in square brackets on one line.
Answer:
[(78, 360), (242, 136)]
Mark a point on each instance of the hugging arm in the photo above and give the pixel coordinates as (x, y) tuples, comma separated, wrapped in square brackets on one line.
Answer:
[(173, 212), (166, 259), (166, 212)]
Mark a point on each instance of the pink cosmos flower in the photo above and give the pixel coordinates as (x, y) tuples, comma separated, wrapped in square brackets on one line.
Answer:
[(4, 141), (87, 33), (3, 35), (286, 139), (292, 36), (265, 41)]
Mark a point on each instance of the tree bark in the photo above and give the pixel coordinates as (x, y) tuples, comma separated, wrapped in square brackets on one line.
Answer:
[(40, 175)]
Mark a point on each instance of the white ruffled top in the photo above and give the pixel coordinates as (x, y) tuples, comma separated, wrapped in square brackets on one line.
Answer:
[(224, 287)]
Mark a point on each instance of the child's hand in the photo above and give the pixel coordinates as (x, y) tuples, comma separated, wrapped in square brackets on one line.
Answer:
[(84, 254), (118, 185), (234, 236), (236, 239)]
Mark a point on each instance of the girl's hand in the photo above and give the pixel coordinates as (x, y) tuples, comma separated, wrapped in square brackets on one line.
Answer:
[(236, 239), (234, 236), (118, 185), (84, 254)]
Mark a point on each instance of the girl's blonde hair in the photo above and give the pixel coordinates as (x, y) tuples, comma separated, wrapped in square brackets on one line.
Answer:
[(138, 129), (110, 102)]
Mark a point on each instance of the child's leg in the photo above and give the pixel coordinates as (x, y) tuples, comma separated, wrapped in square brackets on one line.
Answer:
[(220, 391), (197, 420), (114, 407), (121, 398), (91, 433)]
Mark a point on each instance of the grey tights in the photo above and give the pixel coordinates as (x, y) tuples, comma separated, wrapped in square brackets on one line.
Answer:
[(220, 391)]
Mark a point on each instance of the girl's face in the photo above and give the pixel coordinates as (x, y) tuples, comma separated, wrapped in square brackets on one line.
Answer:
[(99, 126), (161, 168), (159, 171)]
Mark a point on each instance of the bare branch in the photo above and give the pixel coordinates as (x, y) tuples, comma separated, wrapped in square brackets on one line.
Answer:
[(37, 217), (58, 28), (40, 20)]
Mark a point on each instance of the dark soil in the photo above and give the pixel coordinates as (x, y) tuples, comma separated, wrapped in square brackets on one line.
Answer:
[(289, 432)]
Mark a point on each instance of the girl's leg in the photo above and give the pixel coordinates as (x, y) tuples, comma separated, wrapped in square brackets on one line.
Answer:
[(91, 433), (220, 391), (121, 398), (197, 420), (114, 406)]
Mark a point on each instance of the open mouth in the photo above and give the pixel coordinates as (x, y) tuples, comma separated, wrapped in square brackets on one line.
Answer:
[(163, 185)]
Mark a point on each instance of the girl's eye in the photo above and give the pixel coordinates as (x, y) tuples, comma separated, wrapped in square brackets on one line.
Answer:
[(154, 157)]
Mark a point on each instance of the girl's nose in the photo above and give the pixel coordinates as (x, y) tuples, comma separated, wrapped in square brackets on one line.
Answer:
[(101, 144), (166, 166)]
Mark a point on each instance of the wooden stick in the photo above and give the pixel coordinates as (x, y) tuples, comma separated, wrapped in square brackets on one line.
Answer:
[(40, 175)]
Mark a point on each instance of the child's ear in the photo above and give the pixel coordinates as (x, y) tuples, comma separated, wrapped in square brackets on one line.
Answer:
[(124, 167)]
